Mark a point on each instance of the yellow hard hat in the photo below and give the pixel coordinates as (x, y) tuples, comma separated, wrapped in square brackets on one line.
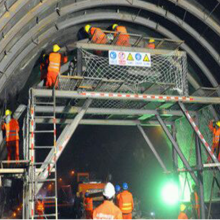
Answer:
[(182, 207), (56, 48), (151, 40), (8, 112), (114, 26), (218, 123), (87, 28)]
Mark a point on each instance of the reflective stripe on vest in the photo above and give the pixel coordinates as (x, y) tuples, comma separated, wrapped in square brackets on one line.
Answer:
[(126, 206)]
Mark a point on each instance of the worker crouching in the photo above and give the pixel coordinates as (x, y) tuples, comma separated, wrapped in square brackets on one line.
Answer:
[(55, 61), (183, 214), (108, 210), (121, 35), (11, 130), (125, 202)]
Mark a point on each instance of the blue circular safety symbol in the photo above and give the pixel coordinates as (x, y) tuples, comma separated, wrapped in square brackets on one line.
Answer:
[(138, 56), (113, 55)]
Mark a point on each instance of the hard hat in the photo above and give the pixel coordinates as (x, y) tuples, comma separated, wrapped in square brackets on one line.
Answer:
[(125, 186), (8, 112), (114, 26), (117, 188), (56, 48), (182, 207), (87, 28), (109, 191), (218, 123), (151, 40)]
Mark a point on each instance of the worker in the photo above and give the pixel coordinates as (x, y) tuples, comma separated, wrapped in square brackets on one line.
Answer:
[(55, 61), (121, 35), (151, 44), (40, 209), (108, 210), (96, 35), (118, 191), (126, 203), (11, 129), (88, 204), (194, 198), (183, 214), (216, 135), (43, 68)]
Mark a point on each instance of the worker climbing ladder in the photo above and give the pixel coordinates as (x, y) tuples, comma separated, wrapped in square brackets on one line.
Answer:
[(36, 164)]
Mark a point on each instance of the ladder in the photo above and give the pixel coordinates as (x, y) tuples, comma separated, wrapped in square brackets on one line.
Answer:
[(35, 149)]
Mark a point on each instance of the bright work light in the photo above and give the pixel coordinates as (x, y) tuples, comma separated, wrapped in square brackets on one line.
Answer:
[(170, 193)]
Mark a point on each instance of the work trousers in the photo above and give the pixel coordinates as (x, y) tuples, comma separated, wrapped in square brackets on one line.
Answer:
[(52, 79), (13, 146), (89, 214), (127, 215)]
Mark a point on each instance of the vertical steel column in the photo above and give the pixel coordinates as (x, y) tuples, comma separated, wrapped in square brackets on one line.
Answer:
[(198, 133), (175, 145), (152, 149), (79, 62), (174, 153), (200, 174)]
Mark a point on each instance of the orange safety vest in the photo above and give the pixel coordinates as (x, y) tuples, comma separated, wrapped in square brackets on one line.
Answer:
[(216, 134), (107, 210), (183, 215), (88, 204), (54, 62), (151, 46), (98, 36), (123, 37), (40, 206), (126, 203), (12, 130)]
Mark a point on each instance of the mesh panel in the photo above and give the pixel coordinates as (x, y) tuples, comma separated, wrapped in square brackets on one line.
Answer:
[(170, 69)]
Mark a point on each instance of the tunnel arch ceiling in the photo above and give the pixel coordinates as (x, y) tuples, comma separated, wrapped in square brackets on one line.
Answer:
[(26, 28)]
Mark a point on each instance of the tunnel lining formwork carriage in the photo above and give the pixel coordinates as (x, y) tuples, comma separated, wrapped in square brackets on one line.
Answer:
[(81, 99)]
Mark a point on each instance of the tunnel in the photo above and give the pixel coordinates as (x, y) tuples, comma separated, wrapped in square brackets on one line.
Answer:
[(30, 28)]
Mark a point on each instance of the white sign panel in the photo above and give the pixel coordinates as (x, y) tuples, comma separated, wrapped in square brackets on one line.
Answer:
[(123, 58)]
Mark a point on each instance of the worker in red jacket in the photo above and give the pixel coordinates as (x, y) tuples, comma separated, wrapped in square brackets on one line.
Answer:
[(11, 129), (121, 35), (88, 203), (108, 210), (126, 203), (151, 44), (55, 61), (182, 214), (195, 202), (96, 35), (216, 137)]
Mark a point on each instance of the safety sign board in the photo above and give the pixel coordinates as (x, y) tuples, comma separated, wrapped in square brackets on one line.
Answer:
[(123, 58)]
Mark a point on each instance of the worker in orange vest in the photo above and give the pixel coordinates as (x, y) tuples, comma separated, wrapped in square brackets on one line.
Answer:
[(118, 192), (151, 44), (183, 214), (126, 203), (216, 137), (96, 35), (108, 210), (195, 202), (55, 61), (43, 68), (88, 203), (121, 35), (11, 129), (40, 209)]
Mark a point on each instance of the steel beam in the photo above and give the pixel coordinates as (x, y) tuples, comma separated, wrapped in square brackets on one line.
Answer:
[(109, 111), (125, 96), (198, 133), (61, 144), (149, 143), (177, 148)]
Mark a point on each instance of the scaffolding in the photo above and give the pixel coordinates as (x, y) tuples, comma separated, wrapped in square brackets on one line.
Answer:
[(88, 99)]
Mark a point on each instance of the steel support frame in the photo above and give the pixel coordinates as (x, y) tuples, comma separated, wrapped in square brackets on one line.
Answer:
[(61, 143), (177, 148), (149, 143)]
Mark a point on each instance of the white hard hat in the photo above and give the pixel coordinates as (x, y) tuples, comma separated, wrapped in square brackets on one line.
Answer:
[(109, 191)]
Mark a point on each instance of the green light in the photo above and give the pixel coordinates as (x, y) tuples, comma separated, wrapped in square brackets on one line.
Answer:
[(170, 193)]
